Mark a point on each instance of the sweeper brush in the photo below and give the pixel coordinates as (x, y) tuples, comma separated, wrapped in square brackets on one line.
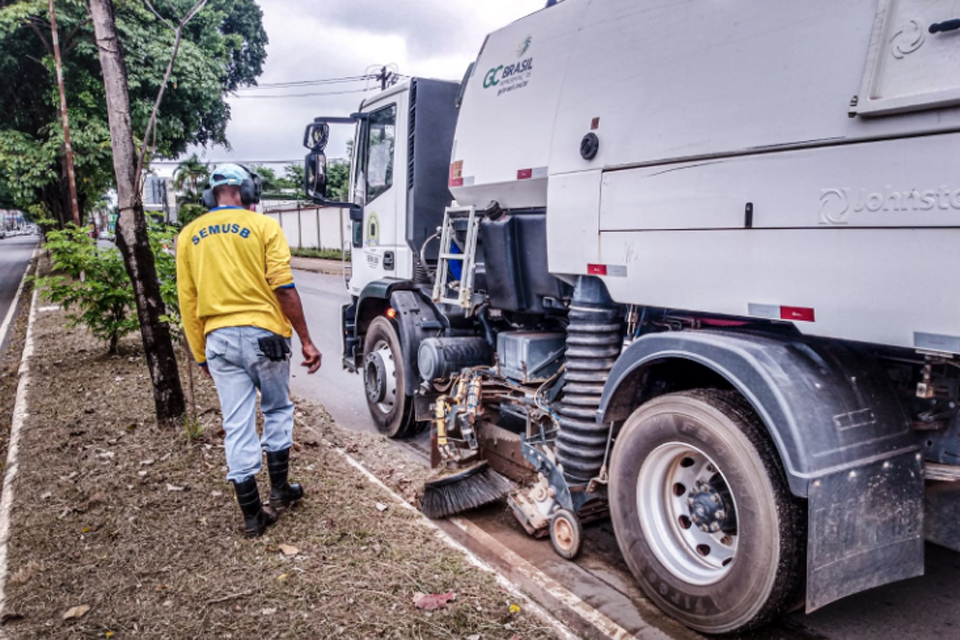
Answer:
[(467, 489)]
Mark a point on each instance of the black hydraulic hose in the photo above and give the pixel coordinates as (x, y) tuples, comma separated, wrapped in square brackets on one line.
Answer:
[(488, 333), (421, 272)]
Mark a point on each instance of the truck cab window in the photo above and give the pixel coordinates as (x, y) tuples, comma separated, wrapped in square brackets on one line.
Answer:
[(381, 135)]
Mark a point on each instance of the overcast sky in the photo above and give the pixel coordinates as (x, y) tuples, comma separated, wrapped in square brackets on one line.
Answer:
[(340, 38)]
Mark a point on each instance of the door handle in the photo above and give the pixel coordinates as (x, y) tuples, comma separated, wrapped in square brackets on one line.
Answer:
[(946, 25)]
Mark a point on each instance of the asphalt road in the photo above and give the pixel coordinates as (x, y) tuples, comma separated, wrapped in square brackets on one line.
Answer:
[(15, 256), (919, 608)]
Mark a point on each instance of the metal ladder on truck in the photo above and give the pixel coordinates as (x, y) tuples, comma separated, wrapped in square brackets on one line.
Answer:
[(467, 259)]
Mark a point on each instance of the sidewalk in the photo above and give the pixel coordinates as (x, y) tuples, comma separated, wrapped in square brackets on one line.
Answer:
[(317, 265), (120, 529)]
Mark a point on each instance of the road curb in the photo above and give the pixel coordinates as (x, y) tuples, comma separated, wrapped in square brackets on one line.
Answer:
[(317, 265), (13, 448), (556, 624), (541, 594)]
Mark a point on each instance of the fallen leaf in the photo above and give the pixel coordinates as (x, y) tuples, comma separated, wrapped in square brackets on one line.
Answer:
[(75, 612), (46, 495), (146, 463), (381, 506), (282, 577), (142, 474), (267, 612), (85, 530), (475, 636), (288, 549), (431, 601), (171, 487), (514, 608), (109, 634)]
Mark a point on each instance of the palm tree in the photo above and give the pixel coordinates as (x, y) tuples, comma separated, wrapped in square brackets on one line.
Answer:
[(189, 177)]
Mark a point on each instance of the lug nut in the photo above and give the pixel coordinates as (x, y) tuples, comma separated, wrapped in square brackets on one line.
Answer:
[(715, 498), (704, 528), (715, 526), (720, 515), (690, 502)]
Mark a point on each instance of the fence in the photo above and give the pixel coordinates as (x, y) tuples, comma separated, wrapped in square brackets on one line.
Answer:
[(309, 227)]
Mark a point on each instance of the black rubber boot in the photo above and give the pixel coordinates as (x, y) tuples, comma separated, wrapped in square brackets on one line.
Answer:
[(256, 517), (282, 493)]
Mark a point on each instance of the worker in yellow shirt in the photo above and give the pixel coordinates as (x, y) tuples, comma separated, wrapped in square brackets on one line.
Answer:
[(239, 304)]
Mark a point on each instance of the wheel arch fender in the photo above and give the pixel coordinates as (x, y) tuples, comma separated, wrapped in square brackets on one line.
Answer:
[(374, 300), (416, 319), (827, 405)]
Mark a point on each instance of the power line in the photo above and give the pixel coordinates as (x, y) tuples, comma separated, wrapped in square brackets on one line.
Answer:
[(304, 83), (310, 95)]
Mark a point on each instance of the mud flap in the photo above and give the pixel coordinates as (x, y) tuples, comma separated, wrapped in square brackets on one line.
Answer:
[(865, 528)]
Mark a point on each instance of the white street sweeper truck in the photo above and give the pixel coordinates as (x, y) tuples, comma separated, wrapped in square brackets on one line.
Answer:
[(689, 265)]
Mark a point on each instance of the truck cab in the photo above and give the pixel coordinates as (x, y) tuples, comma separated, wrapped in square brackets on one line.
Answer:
[(397, 176)]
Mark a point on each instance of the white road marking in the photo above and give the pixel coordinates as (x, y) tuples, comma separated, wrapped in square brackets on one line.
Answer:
[(13, 448), (54, 307)]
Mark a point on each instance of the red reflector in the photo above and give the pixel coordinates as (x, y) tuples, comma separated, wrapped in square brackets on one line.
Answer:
[(524, 174), (391, 313), (456, 182), (796, 313), (597, 269)]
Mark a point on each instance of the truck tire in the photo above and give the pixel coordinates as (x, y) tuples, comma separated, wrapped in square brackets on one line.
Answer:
[(686, 462), (383, 381)]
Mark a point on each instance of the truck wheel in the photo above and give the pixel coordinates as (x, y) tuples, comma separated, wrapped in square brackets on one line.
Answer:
[(383, 381), (703, 514)]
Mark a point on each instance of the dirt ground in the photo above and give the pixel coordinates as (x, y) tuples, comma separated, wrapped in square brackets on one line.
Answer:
[(139, 525)]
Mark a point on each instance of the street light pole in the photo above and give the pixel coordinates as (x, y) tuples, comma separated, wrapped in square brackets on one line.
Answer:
[(68, 148)]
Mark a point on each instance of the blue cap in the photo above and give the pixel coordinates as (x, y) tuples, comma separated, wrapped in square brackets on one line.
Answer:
[(232, 174)]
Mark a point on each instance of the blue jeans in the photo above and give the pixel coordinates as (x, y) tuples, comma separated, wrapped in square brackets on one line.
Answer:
[(239, 369)]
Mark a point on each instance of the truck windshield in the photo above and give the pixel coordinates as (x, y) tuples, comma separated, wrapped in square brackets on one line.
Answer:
[(379, 152)]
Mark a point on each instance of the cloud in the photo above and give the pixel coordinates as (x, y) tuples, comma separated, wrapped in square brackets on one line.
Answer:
[(339, 38), (429, 27)]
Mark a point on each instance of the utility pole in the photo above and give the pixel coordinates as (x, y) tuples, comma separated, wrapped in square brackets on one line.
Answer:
[(68, 148), (382, 77)]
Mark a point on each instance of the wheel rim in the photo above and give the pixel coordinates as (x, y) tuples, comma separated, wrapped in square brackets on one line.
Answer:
[(388, 395), (680, 490), (563, 534)]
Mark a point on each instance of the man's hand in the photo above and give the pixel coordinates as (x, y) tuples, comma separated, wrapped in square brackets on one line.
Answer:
[(311, 357), (206, 371)]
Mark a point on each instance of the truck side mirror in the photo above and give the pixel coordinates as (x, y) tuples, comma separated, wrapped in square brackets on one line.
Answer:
[(315, 176), (315, 138), (316, 135)]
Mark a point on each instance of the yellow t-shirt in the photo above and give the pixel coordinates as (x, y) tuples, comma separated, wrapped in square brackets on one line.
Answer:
[(229, 261)]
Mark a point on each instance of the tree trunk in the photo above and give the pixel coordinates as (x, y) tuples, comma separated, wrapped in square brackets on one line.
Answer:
[(132, 225)]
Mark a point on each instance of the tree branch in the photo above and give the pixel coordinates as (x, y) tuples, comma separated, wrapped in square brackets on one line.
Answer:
[(46, 43), (151, 124), (70, 41), (159, 17)]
